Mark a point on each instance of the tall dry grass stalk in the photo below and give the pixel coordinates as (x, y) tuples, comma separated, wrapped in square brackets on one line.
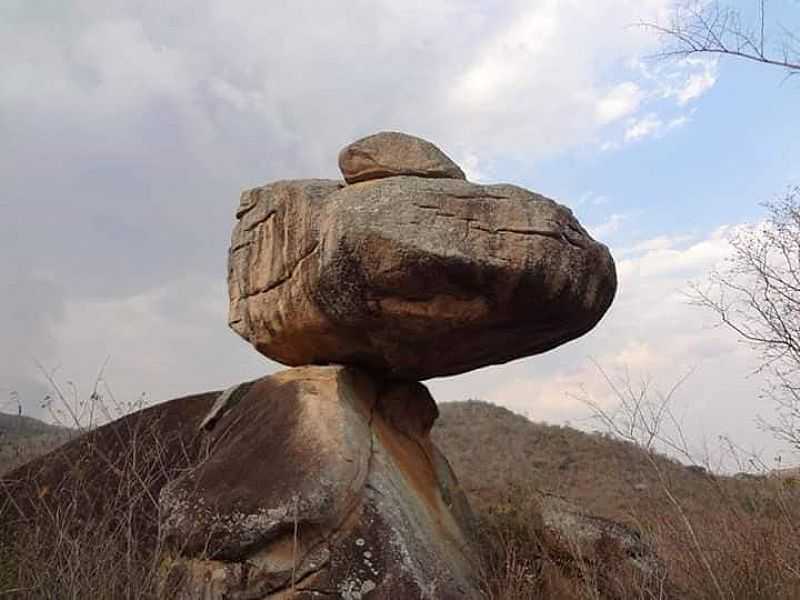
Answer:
[(86, 534), (84, 522), (745, 547)]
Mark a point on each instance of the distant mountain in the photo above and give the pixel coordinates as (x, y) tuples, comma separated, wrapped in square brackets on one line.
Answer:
[(497, 453), (24, 426), (785, 473), (23, 438)]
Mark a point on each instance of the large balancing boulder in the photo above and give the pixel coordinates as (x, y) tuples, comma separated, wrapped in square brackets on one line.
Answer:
[(320, 482), (415, 277)]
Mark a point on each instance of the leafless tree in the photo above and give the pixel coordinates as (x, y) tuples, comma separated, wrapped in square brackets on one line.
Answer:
[(703, 27), (643, 416), (756, 293)]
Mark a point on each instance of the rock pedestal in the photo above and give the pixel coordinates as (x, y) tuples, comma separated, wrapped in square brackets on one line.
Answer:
[(320, 482)]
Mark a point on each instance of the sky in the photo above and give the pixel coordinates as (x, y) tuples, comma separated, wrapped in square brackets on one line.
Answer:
[(128, 130)]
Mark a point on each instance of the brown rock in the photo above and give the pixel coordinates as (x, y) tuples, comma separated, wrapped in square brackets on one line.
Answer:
[(321, 475), (390, 153), (589, 535), (414, 277), (320, 481)]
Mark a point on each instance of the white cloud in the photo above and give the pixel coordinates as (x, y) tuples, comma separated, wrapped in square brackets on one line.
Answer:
[(607, 228), (536, 78), (662, 242), (678, 122), (521, 79), (621, 101), (698, 82), (474, 169), (609, 145), (642, 128), (164, 343), (650, 126), (501, 63), (683, 80), (592, 199), (145, 121)]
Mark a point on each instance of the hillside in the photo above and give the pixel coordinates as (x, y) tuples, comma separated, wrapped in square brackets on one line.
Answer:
[(22, 438), (24, 426), (494, 451), (532, 486)]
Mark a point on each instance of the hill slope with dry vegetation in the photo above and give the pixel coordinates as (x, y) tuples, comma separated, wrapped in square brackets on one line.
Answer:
[(23, 438), (717, 537), (493, 449)]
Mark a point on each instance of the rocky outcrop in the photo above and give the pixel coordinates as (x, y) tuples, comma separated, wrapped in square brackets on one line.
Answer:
[(322, 481), (409, 272), (343, 494), (413, 277), (585, 535), (392, 153)]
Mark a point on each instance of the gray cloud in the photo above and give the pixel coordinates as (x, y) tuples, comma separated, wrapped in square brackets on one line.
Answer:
[(29, 307), (127, 131)]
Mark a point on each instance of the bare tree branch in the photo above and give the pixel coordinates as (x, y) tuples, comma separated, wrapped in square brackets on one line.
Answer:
[(757, 295), (712, 28)]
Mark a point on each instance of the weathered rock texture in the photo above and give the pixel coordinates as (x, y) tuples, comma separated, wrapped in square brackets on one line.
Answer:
[(411, 276), (392, 153), (320, 482), (588, 535)]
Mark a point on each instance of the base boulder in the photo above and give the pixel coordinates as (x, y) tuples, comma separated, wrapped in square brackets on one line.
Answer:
[(320, 482)]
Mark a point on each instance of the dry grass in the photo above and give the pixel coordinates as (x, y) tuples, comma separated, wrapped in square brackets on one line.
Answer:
[(25, 438), (524, 558), (18, 451), (750, 556), (716, 537), (68, 543), (83, 521)]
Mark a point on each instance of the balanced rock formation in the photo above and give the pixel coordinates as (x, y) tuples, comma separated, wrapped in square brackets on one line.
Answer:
[(392, 153), (415, 277), (315, 482), (343, 494), (321, 481)]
